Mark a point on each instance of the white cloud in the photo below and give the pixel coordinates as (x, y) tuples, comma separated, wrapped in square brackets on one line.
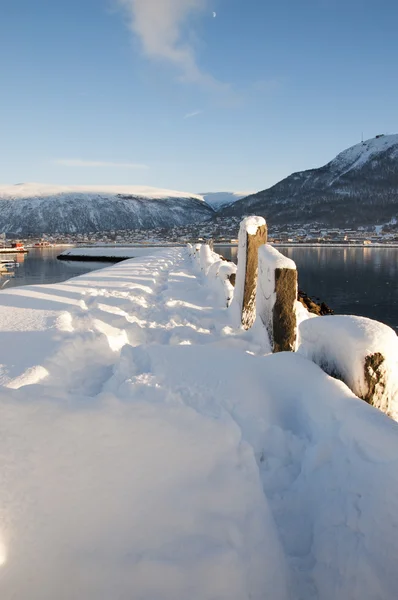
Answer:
[(159, 24), (76, 162), (192, 114)]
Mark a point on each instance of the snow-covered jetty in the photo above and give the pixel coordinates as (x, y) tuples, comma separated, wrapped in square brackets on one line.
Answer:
[(151, 447), (361, 352)]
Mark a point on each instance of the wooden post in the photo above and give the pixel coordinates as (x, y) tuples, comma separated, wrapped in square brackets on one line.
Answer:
[(252, 235)]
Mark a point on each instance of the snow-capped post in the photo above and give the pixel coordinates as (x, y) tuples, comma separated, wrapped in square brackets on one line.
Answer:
[(252, 235), (276, 298)]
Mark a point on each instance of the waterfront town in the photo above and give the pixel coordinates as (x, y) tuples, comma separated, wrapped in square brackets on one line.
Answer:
[(220, 230)]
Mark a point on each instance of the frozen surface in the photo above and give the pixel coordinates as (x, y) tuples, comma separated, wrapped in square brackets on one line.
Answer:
[(149, 450)]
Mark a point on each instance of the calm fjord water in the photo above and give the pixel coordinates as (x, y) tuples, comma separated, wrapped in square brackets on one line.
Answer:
[(352, 281), (359, 281), (42, 266)]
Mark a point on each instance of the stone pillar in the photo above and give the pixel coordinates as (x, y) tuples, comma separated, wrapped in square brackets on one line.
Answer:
[(284, 311), (276, 298), (252, 235)]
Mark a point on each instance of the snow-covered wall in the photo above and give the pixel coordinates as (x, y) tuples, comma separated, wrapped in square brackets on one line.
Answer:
[(360, 351), (276, 297), (215, 268)]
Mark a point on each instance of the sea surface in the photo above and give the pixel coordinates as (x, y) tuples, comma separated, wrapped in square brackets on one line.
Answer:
[(40, 265), (357, 281), (352, 281)]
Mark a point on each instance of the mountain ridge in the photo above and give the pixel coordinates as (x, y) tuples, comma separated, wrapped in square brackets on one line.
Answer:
[(359, 186), (33, 209)]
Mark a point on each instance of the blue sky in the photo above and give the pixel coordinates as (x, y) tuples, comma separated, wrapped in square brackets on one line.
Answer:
[(164, 93)]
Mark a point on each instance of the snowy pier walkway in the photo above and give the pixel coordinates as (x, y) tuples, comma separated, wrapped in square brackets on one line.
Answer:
[(150, 450)]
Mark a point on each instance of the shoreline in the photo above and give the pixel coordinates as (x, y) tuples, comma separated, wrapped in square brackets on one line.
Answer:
[(317, 245), (88, 258)]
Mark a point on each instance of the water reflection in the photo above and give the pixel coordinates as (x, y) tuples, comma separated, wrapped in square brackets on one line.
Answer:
[(360, 281), (41, 266)]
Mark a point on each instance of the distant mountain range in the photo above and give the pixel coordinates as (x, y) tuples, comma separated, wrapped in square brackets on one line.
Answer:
[(358, 187), (218, 200), (33, 209)]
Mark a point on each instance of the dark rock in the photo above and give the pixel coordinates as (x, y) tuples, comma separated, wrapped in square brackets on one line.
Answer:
[(313, 307), (374, 377)]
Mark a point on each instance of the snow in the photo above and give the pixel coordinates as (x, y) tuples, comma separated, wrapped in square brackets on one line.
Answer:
[(149, 450), (340, 344), (239, 291), (207, 258), (34, 208), (43, 190), (217, 269), (269, 259), (358, 155), (251, 224)]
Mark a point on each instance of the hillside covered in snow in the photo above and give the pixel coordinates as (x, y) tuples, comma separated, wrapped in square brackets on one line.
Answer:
[(358, 187), (36, 208)]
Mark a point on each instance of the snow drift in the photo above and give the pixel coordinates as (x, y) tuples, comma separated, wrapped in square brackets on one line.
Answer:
[(341, 344), (216, 268), (149, 450)]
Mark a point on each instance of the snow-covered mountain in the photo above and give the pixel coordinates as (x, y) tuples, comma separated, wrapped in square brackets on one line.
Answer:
[(37, 208), (218, 200), (358, 187)]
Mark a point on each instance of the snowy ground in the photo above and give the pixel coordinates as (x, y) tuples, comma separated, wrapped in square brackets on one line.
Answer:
[(149, 450)]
